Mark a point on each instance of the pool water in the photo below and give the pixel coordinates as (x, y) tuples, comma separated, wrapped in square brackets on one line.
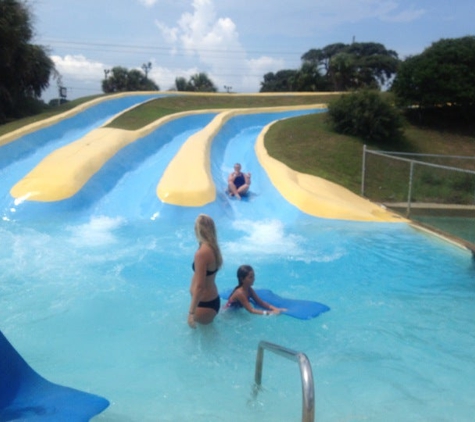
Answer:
[(94, 293), (102, 306)]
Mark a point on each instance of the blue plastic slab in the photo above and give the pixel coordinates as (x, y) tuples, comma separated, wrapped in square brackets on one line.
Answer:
[(301, 309)]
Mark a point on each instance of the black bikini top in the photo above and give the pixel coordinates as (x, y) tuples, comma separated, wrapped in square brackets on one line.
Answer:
[(208, 272)]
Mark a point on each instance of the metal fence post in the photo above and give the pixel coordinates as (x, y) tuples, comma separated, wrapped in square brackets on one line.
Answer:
[(409, 194), (363, 171)]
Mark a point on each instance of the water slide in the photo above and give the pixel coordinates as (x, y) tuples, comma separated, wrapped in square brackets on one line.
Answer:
[(74, 168), (173, 168), (27, 396)]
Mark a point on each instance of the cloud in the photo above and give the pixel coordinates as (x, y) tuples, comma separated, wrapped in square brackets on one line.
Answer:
[(408, 15), (79, 67), (346, 11), (215, 41), (201, 32), (390, 10), (170, 34), (257, 69), (165, 77), (148, 3)]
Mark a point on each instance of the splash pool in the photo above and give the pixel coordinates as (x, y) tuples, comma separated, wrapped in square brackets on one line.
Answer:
[(97, 298)]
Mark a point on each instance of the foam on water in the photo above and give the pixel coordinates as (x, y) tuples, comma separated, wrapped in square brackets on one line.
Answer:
[(98, 231), (270, 238)]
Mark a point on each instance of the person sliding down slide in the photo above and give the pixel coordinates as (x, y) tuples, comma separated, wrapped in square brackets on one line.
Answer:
[(243, 292), (238, 182)]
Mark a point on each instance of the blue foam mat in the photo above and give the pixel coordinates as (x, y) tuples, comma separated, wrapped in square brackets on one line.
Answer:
[(301, 309), (26, 396)]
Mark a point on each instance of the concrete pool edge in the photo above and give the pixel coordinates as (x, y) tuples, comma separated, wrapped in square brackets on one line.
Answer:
[(447, 237)]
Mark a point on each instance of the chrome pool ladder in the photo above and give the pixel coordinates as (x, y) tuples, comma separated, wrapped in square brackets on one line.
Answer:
[(308, 389)]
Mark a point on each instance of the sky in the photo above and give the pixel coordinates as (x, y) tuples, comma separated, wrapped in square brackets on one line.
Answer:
[(236, 42)]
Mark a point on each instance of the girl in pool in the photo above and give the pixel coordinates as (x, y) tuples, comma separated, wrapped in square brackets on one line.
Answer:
[(205, 300), (243, 292)]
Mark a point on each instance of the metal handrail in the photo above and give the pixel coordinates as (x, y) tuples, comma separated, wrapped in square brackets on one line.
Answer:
[(412, 164), (308, 389)]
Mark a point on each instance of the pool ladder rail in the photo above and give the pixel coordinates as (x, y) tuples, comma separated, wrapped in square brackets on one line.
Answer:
[(308, 388)]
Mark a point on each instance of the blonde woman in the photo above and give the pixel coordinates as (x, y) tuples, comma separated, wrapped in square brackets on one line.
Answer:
[(205, 300)]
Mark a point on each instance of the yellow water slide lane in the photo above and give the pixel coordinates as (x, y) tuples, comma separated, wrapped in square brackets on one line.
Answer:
[(187, 181), (65, 171), (40, 124), (317, 196)]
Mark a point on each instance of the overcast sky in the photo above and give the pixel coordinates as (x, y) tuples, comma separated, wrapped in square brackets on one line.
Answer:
[(234, 41)]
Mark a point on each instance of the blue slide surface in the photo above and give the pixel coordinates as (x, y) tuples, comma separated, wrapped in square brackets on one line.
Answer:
[(26, 396)]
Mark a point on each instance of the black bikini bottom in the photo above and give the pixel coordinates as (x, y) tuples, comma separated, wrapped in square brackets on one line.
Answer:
[(211, 304)]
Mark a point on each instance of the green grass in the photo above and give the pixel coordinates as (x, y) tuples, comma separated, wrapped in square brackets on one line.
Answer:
[(153, 110), (53, 111), (307, 144)]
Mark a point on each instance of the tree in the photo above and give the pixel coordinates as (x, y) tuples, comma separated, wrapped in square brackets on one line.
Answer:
[(200, 82), (305, 79), (366, 114), (119, 79), (281, 81), (337, 67), (321, 61), (25, 68), (309, 79), (181, 83), (442, 74), (353, 66)]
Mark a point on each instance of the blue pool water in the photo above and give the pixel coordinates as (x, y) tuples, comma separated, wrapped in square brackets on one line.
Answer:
[(96, 297)]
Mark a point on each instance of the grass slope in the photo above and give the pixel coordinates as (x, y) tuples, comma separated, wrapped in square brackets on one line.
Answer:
[(153, 110)]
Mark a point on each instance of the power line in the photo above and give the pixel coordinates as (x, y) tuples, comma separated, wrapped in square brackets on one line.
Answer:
[(131, 48)]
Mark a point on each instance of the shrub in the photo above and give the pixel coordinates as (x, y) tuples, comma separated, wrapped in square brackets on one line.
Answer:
[(366, 114)]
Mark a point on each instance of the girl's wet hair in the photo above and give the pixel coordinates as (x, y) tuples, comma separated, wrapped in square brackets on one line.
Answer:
[(242, 273)]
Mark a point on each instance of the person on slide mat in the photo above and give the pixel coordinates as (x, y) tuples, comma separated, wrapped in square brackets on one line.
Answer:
[(243, 292), (238, 182)]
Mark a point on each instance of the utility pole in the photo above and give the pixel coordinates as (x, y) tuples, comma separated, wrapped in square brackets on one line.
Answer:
[(146, 68), (62, 90)]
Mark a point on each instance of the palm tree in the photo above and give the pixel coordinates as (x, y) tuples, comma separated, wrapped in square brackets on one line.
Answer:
[(180, 83), (200, 82)]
